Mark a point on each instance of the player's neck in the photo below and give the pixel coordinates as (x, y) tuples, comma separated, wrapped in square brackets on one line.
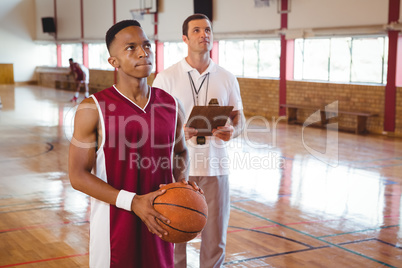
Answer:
[(135, 90), (199, 61)]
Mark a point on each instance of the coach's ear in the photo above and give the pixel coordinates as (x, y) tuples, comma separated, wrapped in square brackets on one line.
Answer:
[(114, 62), (185, 39)]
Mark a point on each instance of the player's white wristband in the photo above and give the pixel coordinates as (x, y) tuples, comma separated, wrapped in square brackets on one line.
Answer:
[(124, 200)]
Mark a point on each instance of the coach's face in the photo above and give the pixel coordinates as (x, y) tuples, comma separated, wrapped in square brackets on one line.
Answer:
[(131, 52), (199, 36)]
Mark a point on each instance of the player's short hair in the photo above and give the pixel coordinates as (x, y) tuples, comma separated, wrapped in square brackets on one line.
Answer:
[(111, 33), (196, 16)]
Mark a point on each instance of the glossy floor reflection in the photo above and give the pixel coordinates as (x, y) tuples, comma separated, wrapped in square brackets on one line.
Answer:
[(299, 198)]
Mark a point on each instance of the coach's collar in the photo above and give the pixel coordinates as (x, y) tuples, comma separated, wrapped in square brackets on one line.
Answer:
[(187, 68)]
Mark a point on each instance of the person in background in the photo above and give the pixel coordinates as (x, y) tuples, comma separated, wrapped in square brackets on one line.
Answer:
[(81, 76), (195, 80)]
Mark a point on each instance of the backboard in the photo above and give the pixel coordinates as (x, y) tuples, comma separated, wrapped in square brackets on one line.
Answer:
[(145, 6)]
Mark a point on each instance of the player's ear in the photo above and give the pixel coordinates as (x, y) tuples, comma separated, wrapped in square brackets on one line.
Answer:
[(114, 62), (185, 39)]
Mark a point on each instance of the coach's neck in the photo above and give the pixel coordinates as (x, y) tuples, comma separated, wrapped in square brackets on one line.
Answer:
[(199, 61)]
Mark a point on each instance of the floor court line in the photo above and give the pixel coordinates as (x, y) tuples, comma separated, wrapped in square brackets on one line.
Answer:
[(56, 199), (302, 250), (45, 260), (48, 150), (389, 244), (279, 236), (42, 226), (360, 231), (370, 239), (28, 209), (371, 160), (273, 255), (315, 237), (275, 225), (356, 241)]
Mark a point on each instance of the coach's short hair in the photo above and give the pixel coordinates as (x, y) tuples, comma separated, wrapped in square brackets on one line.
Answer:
[(196, 16), (111, 33)]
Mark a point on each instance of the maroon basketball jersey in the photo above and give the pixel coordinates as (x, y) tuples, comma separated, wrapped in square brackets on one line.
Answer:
[(75, 67), (135, 155)]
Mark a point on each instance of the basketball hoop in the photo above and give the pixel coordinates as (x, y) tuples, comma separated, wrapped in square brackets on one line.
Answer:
[(137, 14), (143, 7)]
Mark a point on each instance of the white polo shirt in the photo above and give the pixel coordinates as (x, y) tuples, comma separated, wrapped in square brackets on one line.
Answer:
[(210, 159)]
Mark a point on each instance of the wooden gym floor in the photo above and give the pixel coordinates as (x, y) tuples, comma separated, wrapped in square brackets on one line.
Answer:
[(299, 197)]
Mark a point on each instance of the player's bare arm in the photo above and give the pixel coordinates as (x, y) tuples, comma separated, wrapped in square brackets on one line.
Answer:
[(181, 158), (82, 160), (82, 155)]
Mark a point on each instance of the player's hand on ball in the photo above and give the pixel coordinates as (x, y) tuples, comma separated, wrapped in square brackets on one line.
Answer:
[(192, 183), (186, 209), (143, 208), (224, 133)]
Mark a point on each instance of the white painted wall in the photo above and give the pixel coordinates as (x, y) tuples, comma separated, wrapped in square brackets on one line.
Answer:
[(98, 17), (172, 13), (69, 20), (17, 34), (231, 18), (20, 21), (339, 13), (43, 8)]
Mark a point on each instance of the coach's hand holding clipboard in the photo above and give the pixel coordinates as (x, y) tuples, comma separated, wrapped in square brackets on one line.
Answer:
[(209, 120)]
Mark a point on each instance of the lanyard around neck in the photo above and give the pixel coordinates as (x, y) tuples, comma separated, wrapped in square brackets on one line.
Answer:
[(195, 91)]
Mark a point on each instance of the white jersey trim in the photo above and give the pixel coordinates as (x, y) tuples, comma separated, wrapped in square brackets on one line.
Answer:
[(99, 245), (102, 122), (146, 105)]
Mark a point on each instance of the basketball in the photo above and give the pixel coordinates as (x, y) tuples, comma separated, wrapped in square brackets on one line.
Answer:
[(186, 209)]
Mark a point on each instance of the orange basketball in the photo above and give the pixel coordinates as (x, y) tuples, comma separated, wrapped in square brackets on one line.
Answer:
[(186, 209)]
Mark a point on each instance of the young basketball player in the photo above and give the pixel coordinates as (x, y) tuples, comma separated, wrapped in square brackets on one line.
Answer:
[(131, 136), (81, 76)]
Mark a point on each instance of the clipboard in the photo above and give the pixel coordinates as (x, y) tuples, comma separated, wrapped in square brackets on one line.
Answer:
[(207, 118)]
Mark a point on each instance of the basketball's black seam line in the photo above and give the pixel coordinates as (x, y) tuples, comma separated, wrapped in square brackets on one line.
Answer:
[(153, 202), (168, 204), (179, 187), (187, 232)]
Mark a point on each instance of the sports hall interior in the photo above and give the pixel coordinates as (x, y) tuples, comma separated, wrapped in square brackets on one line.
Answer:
[(316, 175)]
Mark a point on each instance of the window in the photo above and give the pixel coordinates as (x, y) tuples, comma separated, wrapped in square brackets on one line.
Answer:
[(173, 52), (339, 68), (68, 51), (316, 59), (346, 59), (48, 54), (367, 60), (269, 58), (250, 58), (231, 56), (98, 55)]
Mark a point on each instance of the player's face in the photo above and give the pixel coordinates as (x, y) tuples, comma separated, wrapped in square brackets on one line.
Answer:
[(199, 37), (131, 52)]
